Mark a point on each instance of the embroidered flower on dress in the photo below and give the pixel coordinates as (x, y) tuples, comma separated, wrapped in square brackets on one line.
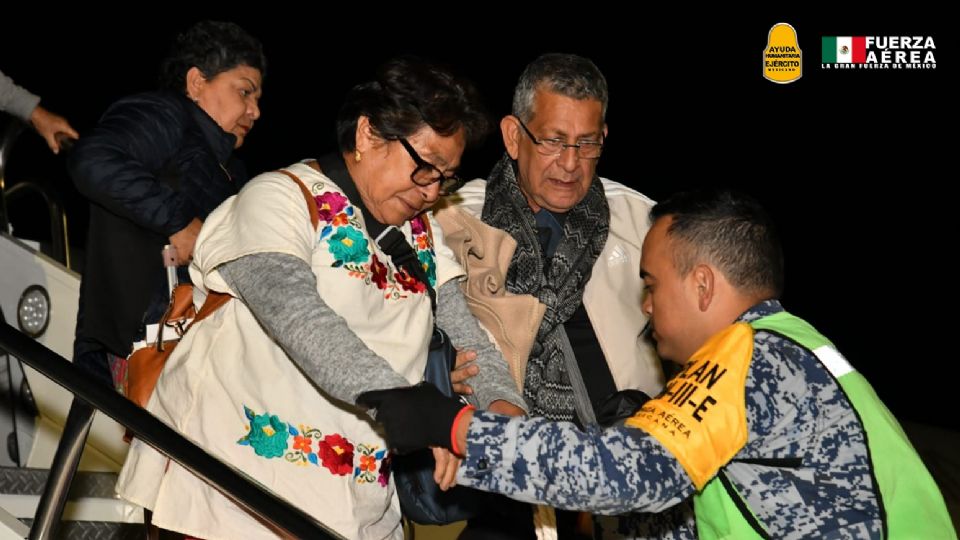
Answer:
[(336, 454), (271, 438), (302, 452), (368, 463), (408, 282), (351, 249), (267, 435), (384, 478), (416, 225), (429, 266), (329, 204), (348, 245), (367, 470), (341, 219), (379, 272), (302, 443)]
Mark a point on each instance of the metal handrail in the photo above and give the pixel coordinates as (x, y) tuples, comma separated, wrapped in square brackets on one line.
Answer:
[(8, 135), (59, 237), (58, 217), (268, 506)]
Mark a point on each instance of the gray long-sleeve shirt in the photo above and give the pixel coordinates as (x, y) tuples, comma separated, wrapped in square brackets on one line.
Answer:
[(281, 291), (15, 99)]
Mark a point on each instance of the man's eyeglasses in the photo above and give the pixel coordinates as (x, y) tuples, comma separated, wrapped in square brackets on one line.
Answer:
[(426, 173), (552, 147)]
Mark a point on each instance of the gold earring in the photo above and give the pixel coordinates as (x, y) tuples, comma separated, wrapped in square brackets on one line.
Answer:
[(356, 156)]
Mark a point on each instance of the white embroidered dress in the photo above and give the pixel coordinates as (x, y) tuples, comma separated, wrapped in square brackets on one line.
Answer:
[(229, 387)]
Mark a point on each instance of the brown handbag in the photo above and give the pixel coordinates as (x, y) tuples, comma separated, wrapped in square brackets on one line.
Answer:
[(145, 365)]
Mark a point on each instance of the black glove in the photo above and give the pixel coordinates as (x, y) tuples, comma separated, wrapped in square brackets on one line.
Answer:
[(415, 416)]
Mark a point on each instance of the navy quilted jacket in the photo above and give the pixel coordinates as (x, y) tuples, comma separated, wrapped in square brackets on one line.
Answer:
[(153, 163)]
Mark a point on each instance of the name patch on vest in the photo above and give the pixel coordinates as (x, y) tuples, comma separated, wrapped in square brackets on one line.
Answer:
[(701, 415)]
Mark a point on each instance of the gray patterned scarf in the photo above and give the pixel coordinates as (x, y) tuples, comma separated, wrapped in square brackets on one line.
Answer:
[(547, 388)]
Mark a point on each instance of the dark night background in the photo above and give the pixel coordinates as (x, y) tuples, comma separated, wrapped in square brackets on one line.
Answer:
[(855, 166)]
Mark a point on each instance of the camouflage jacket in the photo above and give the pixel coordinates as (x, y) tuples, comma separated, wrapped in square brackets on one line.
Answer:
[(804, 470)]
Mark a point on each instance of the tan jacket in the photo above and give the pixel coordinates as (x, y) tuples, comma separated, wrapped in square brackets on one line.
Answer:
[(612, 297), (485, 253)]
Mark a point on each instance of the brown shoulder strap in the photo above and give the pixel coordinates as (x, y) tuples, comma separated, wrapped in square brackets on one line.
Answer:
[(311, 202), (212, 303), (182, 294)]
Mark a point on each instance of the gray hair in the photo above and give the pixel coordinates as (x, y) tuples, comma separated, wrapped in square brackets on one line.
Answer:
[(565, 74)]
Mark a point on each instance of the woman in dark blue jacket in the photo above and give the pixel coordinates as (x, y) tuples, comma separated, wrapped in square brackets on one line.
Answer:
[(153, 168)]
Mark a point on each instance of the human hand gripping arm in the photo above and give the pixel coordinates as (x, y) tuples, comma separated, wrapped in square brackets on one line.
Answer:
[(612, 471), (50, 125), (492, 386), (417, 417), (464, 370), (445, 469), (19, 102)]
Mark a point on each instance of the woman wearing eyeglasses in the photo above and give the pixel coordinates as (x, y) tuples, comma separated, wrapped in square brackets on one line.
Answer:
[(321, 314)]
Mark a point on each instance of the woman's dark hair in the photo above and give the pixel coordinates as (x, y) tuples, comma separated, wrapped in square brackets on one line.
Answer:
[(407, 94), (213, 47)]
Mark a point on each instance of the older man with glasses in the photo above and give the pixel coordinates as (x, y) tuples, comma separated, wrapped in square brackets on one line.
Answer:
[(578, 240)]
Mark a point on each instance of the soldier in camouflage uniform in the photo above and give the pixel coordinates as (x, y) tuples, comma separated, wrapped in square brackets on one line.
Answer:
[(767, 430)]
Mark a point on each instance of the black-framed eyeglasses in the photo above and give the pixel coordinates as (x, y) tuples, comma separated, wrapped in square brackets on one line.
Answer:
[(426, 173), (553, 147)]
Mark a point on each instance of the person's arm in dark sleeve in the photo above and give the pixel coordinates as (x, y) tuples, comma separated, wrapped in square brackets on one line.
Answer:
[(116, 164)]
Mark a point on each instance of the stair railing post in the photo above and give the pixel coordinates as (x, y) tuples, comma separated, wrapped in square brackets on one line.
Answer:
[(62, 470)]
